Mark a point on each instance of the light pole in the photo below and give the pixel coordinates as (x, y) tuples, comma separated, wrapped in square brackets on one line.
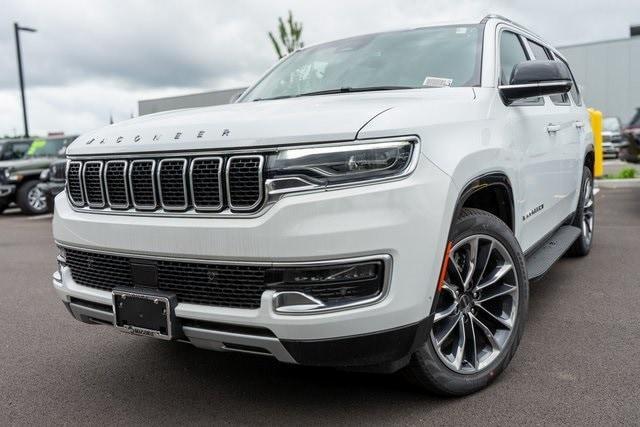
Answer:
[(17, 30)]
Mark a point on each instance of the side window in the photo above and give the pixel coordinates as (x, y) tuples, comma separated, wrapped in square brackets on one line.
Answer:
[(511, 53), (541, 52), (575, 92)]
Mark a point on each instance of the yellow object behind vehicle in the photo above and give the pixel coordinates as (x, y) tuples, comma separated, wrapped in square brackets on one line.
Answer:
[(596, 126)]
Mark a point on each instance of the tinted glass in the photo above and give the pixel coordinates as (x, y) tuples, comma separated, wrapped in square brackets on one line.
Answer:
[(539, 52), (611, 124), (575, 92), (401, 58), (46, 147), (15, 150), (511, 53)]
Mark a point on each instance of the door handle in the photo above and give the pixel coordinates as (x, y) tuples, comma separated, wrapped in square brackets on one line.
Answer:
[(579, 124), (551, 128)]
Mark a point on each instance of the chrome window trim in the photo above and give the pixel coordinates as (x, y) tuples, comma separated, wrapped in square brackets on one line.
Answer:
[(124, 179), (184, 206), (260, 187), (153, 185), (84, 183), (220, 189), (385, 258), (80, 183)]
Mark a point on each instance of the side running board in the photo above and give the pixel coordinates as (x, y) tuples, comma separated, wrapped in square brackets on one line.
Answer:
[(541, 260)]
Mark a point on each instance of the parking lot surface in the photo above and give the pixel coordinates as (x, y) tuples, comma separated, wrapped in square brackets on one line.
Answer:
[(578, 363)]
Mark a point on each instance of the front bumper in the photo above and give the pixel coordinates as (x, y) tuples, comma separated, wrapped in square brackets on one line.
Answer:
[(6, 190), (51, 189), (407, 219)]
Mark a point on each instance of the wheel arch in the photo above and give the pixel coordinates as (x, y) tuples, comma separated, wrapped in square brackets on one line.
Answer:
[(491, 192)]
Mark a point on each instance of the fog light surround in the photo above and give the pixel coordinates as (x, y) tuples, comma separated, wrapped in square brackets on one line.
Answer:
[(307, 288)]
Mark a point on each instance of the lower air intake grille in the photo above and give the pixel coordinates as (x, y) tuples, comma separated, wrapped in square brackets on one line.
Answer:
[(238, 286)]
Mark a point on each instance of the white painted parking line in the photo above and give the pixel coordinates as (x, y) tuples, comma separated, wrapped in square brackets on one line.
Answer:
[(45, 216)]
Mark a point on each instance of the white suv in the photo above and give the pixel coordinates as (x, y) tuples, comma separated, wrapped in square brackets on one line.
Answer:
[(378, 203)]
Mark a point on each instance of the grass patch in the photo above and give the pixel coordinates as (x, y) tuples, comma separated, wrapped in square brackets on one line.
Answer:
[(626, 173)]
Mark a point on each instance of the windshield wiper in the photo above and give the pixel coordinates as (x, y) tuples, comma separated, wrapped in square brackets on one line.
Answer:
[(346, 89)]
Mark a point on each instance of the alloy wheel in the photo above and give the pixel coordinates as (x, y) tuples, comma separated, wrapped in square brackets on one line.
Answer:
[(477, 305), (587, 212), (37, 199)]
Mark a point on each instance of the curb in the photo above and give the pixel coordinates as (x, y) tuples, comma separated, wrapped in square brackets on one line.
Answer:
[(618, 183)]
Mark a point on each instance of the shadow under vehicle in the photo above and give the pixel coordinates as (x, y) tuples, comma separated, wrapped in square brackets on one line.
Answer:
[(19, 178)]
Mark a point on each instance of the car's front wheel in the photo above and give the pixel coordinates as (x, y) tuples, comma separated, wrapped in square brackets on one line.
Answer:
[(31, 199), (480, 309)]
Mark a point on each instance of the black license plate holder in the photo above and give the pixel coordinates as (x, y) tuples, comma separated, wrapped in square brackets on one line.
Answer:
[(147, 314)]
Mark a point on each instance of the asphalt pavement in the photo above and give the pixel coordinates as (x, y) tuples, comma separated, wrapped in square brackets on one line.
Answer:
[(578, 362)]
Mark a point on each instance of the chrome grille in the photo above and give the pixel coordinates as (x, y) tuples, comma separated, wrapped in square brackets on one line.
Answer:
[(92, 175), (244, 175), (115, 179), (74, 183), (206, 183), (142, 184), (172, 184)]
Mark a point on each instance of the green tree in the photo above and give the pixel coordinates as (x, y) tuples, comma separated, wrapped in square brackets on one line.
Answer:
[(289, 36)]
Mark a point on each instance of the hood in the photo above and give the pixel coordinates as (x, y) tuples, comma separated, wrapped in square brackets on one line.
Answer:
[(308, 119), (25, 164)]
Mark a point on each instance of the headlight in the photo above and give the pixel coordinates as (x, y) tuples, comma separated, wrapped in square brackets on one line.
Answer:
[(44, 175), (6, 173), (305, 168)]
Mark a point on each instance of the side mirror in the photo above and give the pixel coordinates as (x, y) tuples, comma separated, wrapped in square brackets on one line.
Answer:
[(536, 78)]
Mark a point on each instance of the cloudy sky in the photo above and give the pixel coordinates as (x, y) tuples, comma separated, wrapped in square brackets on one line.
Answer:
[(91, 59)]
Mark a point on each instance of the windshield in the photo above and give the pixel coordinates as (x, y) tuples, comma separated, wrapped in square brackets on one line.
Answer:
[(400, 59), (47, 147), (611, 124)]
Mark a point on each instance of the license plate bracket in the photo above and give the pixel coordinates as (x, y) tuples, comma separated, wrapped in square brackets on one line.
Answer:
[(148, 314)]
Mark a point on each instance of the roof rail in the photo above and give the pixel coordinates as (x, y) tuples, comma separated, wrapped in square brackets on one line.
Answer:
[(502, 18)]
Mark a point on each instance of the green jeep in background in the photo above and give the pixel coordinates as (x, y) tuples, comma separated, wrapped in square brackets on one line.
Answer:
[(21, 163)]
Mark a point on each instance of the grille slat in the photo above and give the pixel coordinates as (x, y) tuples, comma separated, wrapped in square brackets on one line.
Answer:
[(244, 175), (200, 184), (142, 184), (173, 184), (92, 175), (206, 183), (115, 178), (74, 183)]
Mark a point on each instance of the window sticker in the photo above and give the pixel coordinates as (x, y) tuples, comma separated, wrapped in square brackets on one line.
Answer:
[(430, 81)]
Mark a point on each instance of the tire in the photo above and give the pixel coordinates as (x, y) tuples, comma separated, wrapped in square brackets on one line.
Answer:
[(31, 200), (430, 367), (2, 208), (584, 217)]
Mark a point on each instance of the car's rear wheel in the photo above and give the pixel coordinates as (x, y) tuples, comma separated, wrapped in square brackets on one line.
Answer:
[(480, 309), (584, 217), (31, 199)]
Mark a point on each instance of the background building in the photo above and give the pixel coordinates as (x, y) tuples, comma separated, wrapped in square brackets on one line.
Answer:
[(608, 73)]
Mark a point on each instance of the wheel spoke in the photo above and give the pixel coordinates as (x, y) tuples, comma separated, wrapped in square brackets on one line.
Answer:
[(475, 345), (439, 315), (462, 340), (448, 330), (457, 274), (495, 293), (472, 261), (496, 275), (487, 333), (485, 262), (504, 322)]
